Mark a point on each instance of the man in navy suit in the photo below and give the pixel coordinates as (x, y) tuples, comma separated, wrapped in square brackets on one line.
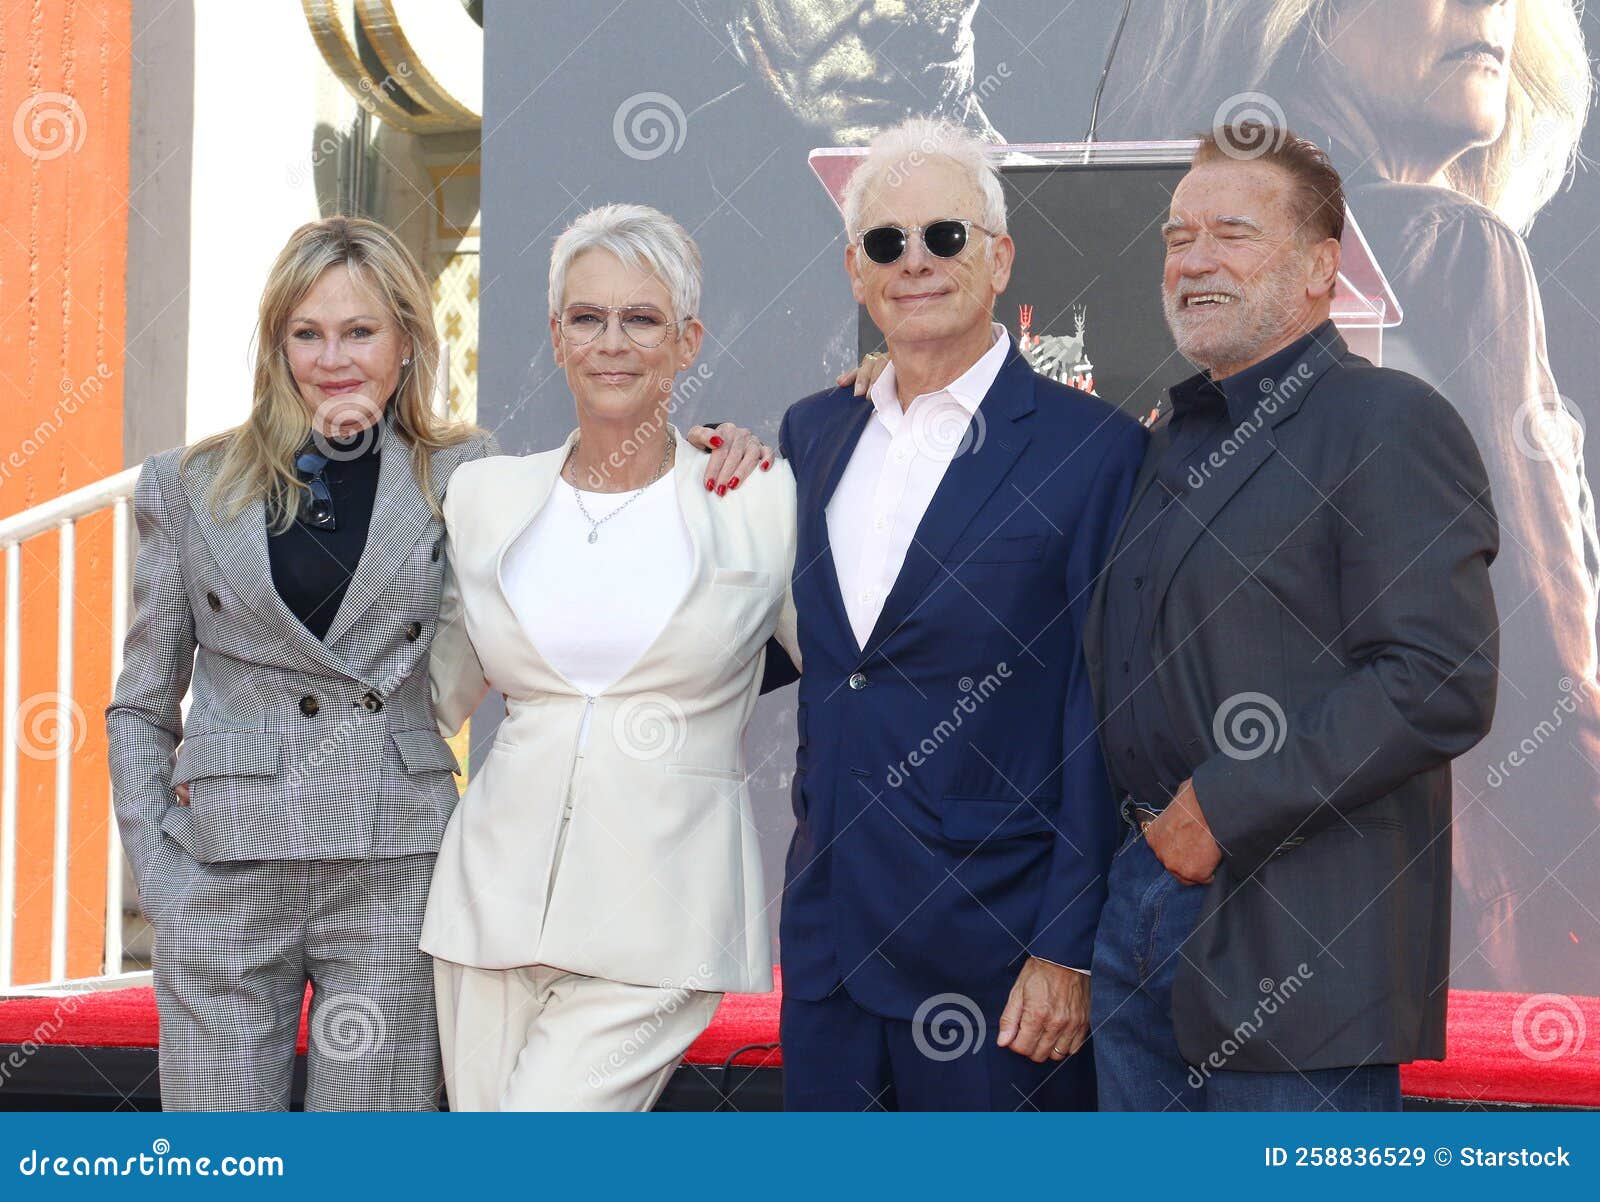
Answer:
[(955, 824)]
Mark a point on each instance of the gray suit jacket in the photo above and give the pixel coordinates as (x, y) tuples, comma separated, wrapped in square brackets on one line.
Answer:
[(1326, 642), (294, 747)]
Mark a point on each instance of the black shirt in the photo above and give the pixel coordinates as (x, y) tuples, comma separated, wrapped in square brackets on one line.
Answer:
[(311, 568), (1144, 756)]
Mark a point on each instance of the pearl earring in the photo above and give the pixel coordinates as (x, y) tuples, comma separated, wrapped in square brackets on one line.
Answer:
[(406, 362)]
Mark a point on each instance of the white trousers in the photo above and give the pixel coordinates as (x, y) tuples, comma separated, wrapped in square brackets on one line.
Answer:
[(539, 1038)]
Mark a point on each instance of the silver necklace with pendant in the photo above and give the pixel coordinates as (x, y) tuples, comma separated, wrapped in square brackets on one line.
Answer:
[(594, 526)]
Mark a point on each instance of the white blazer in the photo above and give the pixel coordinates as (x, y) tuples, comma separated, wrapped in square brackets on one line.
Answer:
[(659, 881)]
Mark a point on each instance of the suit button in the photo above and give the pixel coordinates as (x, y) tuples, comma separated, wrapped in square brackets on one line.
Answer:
[(435, 555), (309, 706), (213, 601), (858, 681), (371, 702), (413, 631)]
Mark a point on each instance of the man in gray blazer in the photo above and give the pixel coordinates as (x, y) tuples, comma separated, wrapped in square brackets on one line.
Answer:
[(1295, 636), (319, 790)]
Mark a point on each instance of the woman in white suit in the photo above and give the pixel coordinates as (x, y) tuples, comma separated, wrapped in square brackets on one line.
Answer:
[(600, 884)]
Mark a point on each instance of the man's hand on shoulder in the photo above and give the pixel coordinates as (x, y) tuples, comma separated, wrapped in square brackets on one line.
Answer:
[(861, 378)]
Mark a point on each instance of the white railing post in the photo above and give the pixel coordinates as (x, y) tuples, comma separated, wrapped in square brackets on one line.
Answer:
[(61, 514), (66, 728), (8, 767), (119, 627)]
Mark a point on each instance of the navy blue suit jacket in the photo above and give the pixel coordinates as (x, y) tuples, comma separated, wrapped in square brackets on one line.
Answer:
[(953, 811)]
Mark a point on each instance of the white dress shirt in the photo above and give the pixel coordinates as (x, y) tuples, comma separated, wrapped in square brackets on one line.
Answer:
[(874, 513)]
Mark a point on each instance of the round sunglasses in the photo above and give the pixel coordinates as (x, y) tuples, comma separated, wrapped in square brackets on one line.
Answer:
[(884, 244)]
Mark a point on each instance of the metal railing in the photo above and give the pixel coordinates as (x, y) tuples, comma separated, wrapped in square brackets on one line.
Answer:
[(61, 514)]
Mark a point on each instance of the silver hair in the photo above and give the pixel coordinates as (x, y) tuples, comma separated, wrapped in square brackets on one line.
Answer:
[(641, 237), (913, 142)]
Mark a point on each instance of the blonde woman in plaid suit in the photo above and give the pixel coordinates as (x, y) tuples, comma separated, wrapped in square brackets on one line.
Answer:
[(317, 785)]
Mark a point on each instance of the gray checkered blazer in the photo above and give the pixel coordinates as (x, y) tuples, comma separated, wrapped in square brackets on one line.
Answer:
[(294, 747)]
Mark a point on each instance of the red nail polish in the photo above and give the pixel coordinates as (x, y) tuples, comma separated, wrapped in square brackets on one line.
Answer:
[(766, 465), (722, 491), (734, 483), (710, 485), (716, 441)]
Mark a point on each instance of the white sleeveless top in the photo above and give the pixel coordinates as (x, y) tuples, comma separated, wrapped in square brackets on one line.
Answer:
[(593, 609)]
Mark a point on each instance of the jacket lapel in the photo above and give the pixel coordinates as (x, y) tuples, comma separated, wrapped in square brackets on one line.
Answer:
[(239, 547), (542, 475), (1257, 442), (400, 514), (968, 483), (839, 442)]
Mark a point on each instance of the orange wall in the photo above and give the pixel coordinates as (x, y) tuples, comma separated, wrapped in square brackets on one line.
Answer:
[(64, 132)]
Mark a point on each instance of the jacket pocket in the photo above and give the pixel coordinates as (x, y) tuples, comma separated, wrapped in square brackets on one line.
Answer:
[(742, 578), (227, 753), (980, 819), (697, 770), (1379, 822), (422, 750)]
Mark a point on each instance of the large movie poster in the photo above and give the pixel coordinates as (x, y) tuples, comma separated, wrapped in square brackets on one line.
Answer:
[(1456, 126)]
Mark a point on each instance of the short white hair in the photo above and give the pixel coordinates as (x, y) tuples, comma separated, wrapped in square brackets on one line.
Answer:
[(912, 143), (641, 237)]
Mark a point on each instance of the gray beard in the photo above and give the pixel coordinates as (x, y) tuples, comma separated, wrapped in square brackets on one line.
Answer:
[(1276, 296)]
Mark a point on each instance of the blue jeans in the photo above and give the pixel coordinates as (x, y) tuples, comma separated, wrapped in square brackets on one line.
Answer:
[(1147, 917)]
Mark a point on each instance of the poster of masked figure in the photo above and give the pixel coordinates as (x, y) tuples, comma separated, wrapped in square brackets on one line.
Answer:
[(1458, 127)]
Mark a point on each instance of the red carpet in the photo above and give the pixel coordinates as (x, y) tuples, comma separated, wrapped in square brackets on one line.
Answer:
[(1504, 1047)]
